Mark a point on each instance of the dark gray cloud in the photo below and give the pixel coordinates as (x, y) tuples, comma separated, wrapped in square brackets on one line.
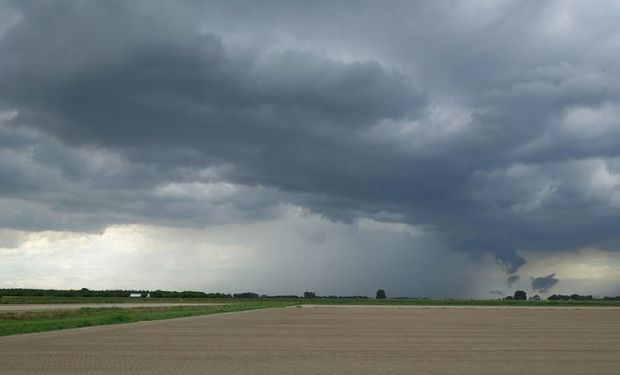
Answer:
[(544, 283), (512, 279), (495, 124)]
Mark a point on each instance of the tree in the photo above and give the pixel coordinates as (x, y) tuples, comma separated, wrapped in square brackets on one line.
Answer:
[(246, 295), (520, 295), (381, 294), (309, 295)]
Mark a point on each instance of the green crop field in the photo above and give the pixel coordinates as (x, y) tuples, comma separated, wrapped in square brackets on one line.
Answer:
[(56, 300), (12, 323)]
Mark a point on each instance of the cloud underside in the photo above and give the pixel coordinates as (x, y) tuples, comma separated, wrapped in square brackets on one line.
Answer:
[(544, 283), (496, 130), (298, 251)]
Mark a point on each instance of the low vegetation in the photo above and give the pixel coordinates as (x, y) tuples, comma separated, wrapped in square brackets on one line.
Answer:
[(12, 323)]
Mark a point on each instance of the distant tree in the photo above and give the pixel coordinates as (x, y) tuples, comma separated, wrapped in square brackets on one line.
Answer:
[(246, 295), (520, 295), (381, 294), (572, 297), (509, 298), (309, 294)]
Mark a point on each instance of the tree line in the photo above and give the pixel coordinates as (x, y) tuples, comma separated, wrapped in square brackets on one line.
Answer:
[(85, 292), (520, 295), (572, 297)]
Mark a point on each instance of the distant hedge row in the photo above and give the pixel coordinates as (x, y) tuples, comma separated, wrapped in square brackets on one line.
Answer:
[(84, 292), (577, 297), (19, 292)]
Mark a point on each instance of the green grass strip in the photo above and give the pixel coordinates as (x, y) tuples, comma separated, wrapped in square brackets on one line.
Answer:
[(12, 323)]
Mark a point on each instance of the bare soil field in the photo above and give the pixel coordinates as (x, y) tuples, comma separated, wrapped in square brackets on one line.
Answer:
[(76, 306), (329, 340)]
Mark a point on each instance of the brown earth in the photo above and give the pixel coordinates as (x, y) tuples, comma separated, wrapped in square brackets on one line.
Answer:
[(328, 340)]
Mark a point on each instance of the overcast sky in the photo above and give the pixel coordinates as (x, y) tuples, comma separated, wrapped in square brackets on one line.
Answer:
[(436, 148)]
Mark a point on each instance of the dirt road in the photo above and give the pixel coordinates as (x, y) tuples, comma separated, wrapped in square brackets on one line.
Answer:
[(326, 340)]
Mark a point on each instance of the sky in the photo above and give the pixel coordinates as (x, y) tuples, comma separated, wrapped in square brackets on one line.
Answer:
[(428, 148)]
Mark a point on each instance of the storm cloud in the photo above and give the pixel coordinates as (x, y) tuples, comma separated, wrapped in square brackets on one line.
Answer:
[(543, 284), (512, 279), (491, 127)]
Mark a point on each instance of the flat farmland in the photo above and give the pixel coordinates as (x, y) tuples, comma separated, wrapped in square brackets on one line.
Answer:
[(333, 340)]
